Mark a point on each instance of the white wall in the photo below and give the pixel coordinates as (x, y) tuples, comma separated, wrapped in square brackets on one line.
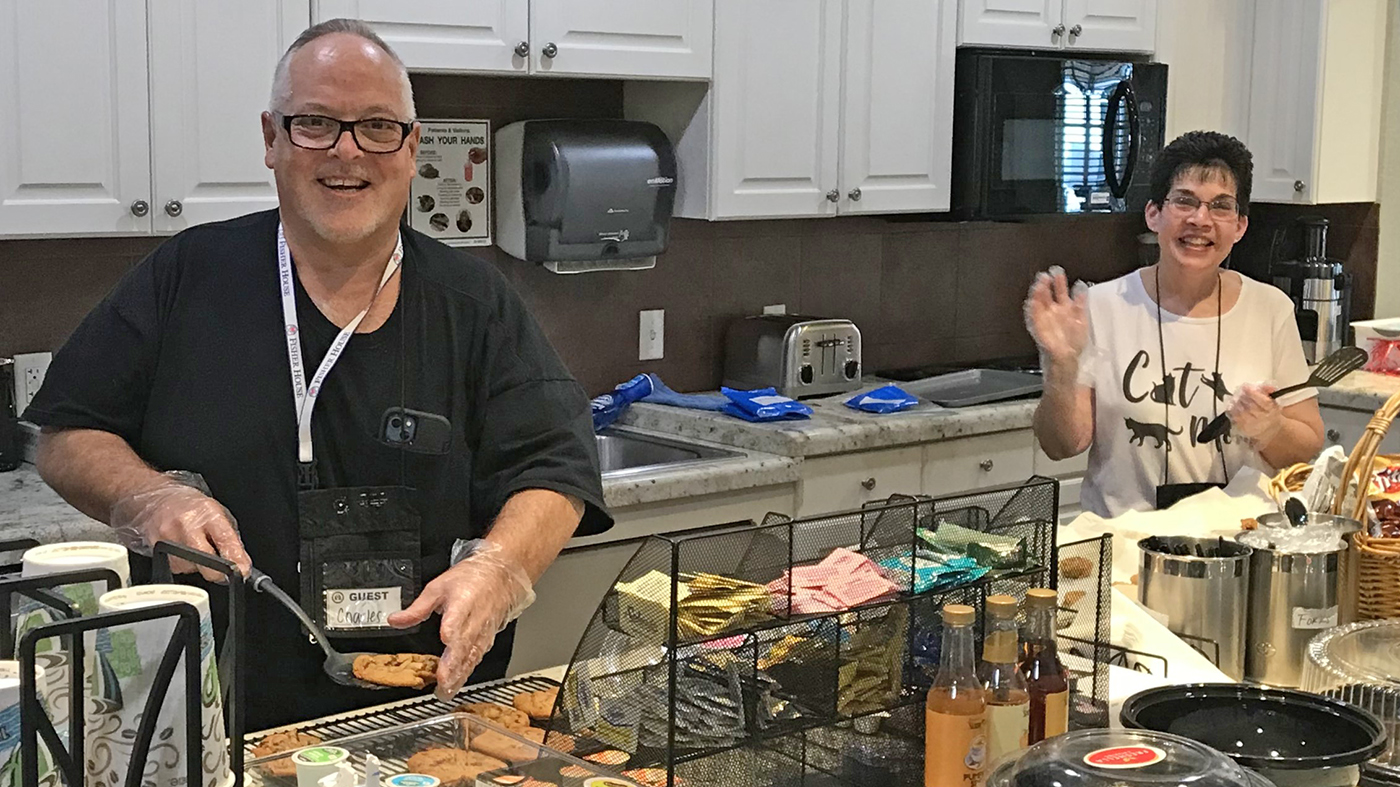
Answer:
[(1388, 265), (1206, 44)]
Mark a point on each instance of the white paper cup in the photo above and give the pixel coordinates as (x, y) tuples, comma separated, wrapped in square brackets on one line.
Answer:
[(102, 692), (137, 652), (10, 695), (317, 762)]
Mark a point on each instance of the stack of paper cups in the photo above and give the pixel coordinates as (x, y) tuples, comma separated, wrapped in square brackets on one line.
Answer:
[(102, 691), (109, 750), (10, 695)]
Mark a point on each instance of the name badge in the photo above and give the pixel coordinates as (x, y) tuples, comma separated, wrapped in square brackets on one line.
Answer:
[(361, 608)]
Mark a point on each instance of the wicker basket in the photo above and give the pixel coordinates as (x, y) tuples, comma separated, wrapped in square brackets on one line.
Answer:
[(1378, 559)]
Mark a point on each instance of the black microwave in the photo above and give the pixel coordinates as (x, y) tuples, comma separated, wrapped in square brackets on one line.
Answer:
[(1042, 132)]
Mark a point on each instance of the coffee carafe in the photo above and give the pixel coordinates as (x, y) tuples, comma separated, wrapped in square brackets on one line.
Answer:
[(1320, 289)]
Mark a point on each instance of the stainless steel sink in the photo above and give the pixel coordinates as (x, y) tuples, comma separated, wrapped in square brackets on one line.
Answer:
[(624, 451)]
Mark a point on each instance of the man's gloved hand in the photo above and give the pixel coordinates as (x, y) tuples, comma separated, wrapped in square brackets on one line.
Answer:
[(477, 598), (1255, 416), (179, 509)]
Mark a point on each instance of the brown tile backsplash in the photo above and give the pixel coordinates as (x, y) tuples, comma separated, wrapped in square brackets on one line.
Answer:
[(922, 289)]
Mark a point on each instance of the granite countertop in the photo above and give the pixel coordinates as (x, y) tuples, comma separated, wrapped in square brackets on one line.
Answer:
[(833, 427), (1359, 391)]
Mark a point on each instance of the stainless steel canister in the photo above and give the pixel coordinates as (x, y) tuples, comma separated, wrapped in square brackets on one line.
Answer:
[(1293, 596), (1348, 571), (1205, 599)]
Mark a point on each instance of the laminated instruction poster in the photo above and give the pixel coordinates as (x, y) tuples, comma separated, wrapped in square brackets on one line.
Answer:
[(451, 194)]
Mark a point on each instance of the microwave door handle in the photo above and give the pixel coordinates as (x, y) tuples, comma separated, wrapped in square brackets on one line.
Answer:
[(1134, 129), (1107, 148)]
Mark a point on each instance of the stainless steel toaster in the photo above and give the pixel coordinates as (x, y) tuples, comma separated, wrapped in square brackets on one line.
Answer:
[(800, 356)]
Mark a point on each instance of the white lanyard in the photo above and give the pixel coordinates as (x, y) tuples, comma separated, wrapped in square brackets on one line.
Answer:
[(306, 395)]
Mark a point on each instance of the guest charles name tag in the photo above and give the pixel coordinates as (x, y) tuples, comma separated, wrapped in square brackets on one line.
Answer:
[(361, 608)]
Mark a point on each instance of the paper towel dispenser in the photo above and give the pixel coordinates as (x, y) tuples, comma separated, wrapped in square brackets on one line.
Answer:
[(583, 190)]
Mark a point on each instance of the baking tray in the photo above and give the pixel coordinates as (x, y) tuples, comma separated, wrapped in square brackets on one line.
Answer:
[(974, 386)]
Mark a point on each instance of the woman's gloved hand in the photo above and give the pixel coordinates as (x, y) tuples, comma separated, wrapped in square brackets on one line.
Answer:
[(1057, 316), (179, 509), (1255, 416), (477, 597)]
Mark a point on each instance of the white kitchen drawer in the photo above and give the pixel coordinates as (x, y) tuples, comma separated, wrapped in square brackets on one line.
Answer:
[(1344, 427), (969, 463), (847, 481)]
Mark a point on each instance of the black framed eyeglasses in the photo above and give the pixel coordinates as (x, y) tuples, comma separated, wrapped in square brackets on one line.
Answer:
[(372, 135)]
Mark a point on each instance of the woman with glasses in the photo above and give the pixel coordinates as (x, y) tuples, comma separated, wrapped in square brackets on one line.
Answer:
[(1135, 367)]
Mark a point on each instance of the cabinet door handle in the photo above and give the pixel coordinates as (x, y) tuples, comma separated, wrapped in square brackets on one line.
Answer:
[(1299, 185), (173, 208), (1057, 31), (522, 49), (140, 208), (550, 50), (1334, 436), (868, 483), (986, 465), (854, 195), (833, 195), (1076, 31)]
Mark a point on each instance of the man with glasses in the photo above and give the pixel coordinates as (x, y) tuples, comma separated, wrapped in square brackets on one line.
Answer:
[(1135, 367), (333, 399)]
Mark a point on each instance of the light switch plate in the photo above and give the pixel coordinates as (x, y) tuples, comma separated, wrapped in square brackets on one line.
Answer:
[(29, 375), (651, 335)]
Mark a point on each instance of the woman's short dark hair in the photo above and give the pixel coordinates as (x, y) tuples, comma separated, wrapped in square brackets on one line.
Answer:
[(1206, 150)]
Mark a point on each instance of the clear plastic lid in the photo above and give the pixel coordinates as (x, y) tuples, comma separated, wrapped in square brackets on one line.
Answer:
[(1109, 758), (1360, 653)]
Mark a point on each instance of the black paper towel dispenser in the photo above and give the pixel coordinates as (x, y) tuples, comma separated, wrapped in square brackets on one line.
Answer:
[(583, 190)]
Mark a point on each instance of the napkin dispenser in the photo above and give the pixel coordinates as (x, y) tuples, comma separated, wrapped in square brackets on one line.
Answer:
[(580, 195)]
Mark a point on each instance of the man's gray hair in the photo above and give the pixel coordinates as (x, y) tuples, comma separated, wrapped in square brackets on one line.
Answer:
[(281, 81)]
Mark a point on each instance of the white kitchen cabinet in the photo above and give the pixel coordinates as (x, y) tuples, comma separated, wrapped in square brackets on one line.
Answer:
[(1314, 99), (1096, 25), (817, 108), (566, 596), (971, 463), (133, 118), (75, 139), (643, 39), (1343, 426), (211, 77), (1069, 472), (843, 482)]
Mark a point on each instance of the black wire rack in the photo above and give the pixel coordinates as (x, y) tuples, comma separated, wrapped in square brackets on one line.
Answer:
[(701, 690)]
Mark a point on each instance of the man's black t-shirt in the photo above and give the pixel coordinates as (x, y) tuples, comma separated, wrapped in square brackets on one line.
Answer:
[(186, 359)]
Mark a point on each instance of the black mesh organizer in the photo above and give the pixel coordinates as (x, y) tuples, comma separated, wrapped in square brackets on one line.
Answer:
[(701, 690)]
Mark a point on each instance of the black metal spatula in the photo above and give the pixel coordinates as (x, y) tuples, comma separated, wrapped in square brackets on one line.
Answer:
[(1333, 368)]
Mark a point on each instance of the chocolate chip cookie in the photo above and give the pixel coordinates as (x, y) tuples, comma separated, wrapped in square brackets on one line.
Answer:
[(453, 766), (496, 713), (537, 704), (406, 670), (280, 742)]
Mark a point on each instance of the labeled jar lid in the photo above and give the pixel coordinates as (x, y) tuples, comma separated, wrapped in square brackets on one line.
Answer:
[(1041, 598), (958, 615), (413, 780), (1111, 758)]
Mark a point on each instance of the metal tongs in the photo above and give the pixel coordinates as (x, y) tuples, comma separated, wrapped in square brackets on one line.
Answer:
[(339, 666)]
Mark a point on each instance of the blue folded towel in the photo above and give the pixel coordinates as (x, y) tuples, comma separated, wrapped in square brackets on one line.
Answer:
[(886, 399), (662, 394), (764, 404)]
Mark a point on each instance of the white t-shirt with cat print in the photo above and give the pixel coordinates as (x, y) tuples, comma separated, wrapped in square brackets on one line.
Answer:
[(1143, 420)]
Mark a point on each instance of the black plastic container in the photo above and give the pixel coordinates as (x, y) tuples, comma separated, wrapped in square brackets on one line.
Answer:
[(1276, 731)]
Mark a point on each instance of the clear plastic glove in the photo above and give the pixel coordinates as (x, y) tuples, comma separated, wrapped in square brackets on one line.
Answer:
[(477, 597), (1254, 415), (180, 510), (1057, 317)]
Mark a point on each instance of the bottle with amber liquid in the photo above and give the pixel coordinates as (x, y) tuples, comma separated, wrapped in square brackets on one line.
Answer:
[(1047, 680), (955, 713), (1008, 700)]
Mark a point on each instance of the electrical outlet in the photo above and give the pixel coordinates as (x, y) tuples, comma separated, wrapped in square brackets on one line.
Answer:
[(29, 375), (651, 335), (775, 308)]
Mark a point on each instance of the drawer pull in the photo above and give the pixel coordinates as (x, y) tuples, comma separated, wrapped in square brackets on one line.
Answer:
[(986, 465), (868, 483), (1334, 436)]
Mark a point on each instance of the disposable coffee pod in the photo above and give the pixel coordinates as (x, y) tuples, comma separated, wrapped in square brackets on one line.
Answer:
[(317, 762)]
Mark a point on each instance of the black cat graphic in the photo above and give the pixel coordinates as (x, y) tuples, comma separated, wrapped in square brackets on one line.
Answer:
[(1162, 394), (1158, 432), (1217, 384)]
